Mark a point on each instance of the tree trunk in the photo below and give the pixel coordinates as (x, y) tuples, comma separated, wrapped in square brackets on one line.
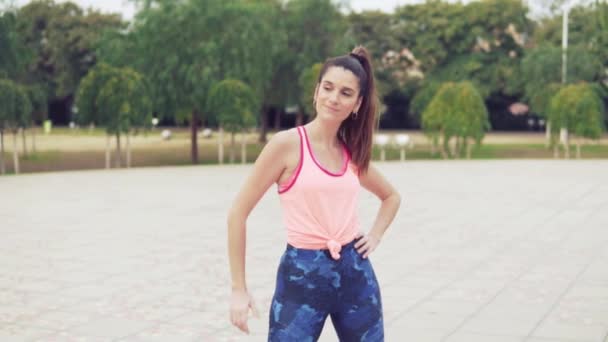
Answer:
[(244, 148), (232, 151), (457, 147), (23, 142), (108, 138), (2, 166), (445, 148), (556, 151), (434, 145), (548, 134), (567, 143), (264, 125), (469, 146), (128, 149), (578, 148), (449, 147), (299, 118), (277, 120), (193, 137), (33, 138), (15, 153), (220, 146), (118, 154)]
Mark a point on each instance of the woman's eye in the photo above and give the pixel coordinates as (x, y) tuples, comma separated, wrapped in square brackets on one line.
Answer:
[(327, 88), (346, 94)]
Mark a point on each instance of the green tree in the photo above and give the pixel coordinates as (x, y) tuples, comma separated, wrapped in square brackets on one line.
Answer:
[(315, 29), (541, 76), (456, 111), (116, 99), (600, 34), (38, 99), (422, 97), (234, 104), (307, 82), (435, 31), (377, 32), (579, 109), (15, 109), (581, 27), (257, 51), (199, 43), (180, 69), (61, 39), (13, 52)]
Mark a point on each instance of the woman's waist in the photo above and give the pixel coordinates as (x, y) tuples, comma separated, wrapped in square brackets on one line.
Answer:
[(315, 241), (313, 253), (320, 245), (315, 237)]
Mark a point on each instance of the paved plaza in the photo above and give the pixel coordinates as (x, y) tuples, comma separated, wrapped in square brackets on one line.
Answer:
[(481, 251)]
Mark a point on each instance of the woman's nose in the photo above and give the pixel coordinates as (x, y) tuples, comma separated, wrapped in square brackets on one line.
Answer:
[(333, 97)]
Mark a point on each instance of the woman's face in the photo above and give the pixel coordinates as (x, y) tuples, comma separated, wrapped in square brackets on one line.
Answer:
[(337, 95)]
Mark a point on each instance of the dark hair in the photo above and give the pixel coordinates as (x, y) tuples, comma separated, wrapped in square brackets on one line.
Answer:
[(357, 133)]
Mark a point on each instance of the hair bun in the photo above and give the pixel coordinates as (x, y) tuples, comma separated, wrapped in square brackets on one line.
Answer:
[(361, 54), (359, 58), (359, 51)]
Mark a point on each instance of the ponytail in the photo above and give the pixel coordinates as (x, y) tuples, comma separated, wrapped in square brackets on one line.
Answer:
[(357, 130)]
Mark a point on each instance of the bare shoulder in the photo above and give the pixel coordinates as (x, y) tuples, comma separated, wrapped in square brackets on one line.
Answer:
[(286, 145), (287, 139)]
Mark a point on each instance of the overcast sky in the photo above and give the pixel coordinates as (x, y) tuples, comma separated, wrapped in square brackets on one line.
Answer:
[(127, 9)]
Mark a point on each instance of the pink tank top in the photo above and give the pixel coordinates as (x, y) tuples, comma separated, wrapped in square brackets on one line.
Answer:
[(319, 206)]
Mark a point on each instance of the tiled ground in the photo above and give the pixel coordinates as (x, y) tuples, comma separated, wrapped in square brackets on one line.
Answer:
[(481, 251)]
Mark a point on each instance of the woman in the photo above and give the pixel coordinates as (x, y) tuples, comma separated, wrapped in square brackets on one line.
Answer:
[(319, 169)]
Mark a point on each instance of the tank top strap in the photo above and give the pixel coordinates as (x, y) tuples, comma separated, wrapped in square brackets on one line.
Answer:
[(304, 149)]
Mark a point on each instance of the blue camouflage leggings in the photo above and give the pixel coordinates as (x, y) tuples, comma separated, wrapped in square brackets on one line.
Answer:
[(311, 285)]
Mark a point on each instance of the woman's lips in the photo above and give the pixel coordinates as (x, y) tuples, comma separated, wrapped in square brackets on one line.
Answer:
[(332, 109)]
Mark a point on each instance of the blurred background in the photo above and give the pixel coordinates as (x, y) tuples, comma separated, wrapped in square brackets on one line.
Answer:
[(87, 84)]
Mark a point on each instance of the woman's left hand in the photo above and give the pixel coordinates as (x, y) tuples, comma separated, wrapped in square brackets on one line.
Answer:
[(367, 244)]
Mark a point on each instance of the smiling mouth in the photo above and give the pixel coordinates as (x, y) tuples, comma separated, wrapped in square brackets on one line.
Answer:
[(332, 109)]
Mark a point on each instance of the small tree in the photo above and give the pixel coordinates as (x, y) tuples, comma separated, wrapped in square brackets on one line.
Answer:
[(117, 100), (540, 75), (580, 110), (86, 100), (423, 96), (124, 98), (7, 95), (233, 102), (456, 111), (38, 98), (15, 109)]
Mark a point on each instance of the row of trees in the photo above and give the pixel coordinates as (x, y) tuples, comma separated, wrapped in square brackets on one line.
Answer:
[(181, 50), (457, 112)]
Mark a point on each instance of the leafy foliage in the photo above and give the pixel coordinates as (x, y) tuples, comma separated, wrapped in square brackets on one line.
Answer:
[(579, 109), (234, 104), (15, 106), (457, 110), (116, 99), (307, 82)]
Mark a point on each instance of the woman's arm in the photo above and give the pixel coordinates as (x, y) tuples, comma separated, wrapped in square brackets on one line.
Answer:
[(378, 185), (266, 171)]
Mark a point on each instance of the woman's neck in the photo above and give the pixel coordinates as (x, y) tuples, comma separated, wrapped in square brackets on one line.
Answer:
[(324, 133)]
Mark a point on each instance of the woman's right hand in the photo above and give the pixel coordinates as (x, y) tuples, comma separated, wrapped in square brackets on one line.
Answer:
[(240, 304)]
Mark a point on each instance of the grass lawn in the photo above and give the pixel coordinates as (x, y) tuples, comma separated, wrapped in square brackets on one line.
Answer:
[(56, 160)]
